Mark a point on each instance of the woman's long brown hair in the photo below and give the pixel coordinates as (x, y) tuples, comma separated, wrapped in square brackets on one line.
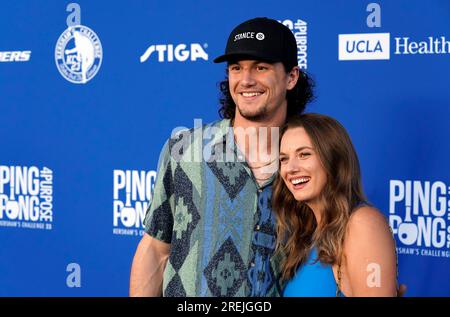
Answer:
[(297, 230)]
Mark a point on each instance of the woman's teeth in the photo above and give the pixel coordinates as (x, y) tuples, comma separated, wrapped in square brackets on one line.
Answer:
[(301, 180)]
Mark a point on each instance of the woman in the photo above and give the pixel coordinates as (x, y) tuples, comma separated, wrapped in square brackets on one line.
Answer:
[(334, 243)]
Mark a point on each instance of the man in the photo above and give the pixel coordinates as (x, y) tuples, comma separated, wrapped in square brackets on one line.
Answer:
[(210, 230)]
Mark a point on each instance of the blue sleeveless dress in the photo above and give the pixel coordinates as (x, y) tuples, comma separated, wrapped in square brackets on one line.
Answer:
[(312, 280)]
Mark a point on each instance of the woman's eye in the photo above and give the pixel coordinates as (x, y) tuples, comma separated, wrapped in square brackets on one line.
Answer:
[(283, 159), (304, 154)]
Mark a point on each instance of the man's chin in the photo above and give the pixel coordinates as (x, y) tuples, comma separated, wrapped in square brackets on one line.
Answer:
[(256, 118), (253, 116)]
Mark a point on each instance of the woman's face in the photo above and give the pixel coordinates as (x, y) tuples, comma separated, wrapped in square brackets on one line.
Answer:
[(300, 167)]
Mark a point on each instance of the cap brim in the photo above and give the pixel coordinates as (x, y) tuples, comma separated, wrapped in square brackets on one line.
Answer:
[(241, 56), (221, 59)]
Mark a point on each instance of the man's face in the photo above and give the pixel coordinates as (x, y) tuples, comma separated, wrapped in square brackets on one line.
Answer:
[(259, 88)]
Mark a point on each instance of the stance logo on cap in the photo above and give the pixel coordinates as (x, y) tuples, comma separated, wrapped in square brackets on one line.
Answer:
[(249, 35)]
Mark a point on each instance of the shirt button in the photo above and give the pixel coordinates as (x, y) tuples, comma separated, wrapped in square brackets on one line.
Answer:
[(258, 227), (252, 264), (260, 190)]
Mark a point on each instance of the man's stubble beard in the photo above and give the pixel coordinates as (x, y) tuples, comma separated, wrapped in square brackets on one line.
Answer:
[(259, 115)]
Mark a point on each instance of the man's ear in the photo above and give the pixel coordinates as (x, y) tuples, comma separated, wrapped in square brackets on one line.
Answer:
[(293, 75)]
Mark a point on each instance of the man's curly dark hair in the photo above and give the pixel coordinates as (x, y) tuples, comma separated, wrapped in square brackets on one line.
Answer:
[(297, 98)]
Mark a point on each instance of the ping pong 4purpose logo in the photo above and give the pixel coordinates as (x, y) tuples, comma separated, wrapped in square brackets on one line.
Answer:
[(299, 28), (132, 193), (26, 197), (419, 214)]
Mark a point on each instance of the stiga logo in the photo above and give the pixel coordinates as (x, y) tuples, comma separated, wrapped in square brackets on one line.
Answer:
[(26, 197), (419, 214), (15, 56), (180, 52), (132, 191), (370, 46), (300, 30)]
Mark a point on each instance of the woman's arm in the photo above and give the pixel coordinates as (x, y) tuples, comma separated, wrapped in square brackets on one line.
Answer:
[(369, 249)]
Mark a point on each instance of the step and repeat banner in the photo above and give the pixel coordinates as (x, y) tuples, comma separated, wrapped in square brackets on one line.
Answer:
[(90, 91)]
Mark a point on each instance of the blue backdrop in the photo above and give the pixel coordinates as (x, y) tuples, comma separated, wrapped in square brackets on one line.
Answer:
[(84, 113)]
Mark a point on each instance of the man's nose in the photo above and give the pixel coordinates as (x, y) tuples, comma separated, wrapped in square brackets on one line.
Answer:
[(248, 78)]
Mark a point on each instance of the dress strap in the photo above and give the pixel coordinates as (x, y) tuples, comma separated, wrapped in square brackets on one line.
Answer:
[(339, 277)]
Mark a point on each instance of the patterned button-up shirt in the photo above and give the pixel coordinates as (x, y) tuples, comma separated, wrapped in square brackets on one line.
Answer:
[(207, 204)]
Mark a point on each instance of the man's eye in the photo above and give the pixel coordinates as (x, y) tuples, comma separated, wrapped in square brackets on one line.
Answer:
[(261, 68), (234, 68)]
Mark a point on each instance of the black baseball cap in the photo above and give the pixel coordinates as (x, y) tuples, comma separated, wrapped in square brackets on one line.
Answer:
[(261, 39)]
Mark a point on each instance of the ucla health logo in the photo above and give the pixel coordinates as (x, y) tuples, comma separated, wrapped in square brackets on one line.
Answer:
[(132, 193), (26, 197), (419, 214), (373, 46), (78, 54), (368, 46), (377, 46)]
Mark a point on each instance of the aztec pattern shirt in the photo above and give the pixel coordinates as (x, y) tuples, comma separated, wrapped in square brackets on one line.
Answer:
[(207, 204)]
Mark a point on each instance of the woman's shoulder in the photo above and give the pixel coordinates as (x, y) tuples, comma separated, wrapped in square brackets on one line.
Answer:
[(366, 217), (366, 225)]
